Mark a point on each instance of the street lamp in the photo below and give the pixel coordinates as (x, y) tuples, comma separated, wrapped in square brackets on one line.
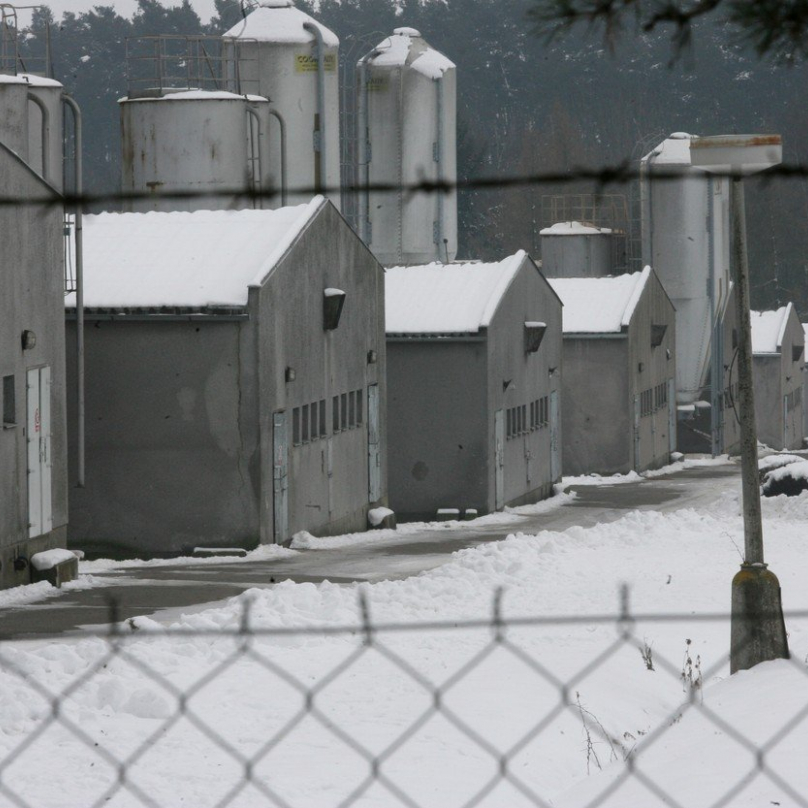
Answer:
[(758, 630)]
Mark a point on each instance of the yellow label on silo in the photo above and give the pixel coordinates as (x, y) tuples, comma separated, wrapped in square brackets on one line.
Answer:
[(377, 83), (307, 63)]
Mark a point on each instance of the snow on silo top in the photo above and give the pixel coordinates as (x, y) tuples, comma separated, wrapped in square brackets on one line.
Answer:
[(407, 47), (599, 305), (279, 21), (184, 259), (674, 150), (574, 229), (768, 329), (446, 298)]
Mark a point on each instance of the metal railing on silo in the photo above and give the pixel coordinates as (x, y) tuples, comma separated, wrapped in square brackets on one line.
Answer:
[(30, 56)]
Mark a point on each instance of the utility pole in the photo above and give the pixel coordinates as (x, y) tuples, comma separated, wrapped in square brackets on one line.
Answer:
[(758, 629)]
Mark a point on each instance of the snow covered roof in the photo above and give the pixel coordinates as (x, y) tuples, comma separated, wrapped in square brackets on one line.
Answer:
[(31, 79), (446, 298), (574, 229), (198, 95), (406, 46), (183, 259), (768, 329), (279, 21), (674, 150), (599, 305)]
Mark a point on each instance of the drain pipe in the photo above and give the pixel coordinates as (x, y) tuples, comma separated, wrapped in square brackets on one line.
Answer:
[(78, 190), (44, 135), (364, 148), (282, 124), (319, 135), (438, 158), (255, 150)]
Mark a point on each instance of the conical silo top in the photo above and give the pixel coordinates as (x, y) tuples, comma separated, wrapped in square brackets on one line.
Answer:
[(673, 151), (279, 21), (406, 47)]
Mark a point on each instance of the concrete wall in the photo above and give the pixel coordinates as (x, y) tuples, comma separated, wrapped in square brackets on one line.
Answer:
[(171, 454), (651, 367), (438, 435), (536, 375), (777, 378), (31, 299), (328, 477), (595, 414)]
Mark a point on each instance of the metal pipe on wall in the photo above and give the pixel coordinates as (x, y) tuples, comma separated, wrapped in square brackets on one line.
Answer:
[(282, 124), (438, 157), (255, 149), (364, 148), (78, 190), (320, 137), (45, 134)]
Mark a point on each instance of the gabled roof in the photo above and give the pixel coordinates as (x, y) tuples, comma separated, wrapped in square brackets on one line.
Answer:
[(599, 305), (437, 298), (768, 330), (184, 259)]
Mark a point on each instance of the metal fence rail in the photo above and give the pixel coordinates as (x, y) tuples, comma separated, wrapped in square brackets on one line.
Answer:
[(248, 675)]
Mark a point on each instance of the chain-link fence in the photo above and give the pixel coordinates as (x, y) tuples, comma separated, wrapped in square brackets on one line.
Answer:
[(497, 711)]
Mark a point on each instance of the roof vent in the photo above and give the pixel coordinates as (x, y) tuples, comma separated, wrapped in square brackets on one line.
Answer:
[(406, 32)]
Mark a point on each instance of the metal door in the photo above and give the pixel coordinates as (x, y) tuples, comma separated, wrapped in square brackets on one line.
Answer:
[(672, 416), (555, 447), (38, 439), (636, 433), (499, 459), (280, 477), (374, 447)]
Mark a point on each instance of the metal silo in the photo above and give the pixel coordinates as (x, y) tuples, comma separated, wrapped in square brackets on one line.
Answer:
[(202, 143), (576, 250), (288, 57), (685, 227), (407, 135)]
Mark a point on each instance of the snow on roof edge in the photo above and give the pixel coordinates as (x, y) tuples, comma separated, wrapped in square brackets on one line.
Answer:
[(512, 264), (639, 288), (784, 325)]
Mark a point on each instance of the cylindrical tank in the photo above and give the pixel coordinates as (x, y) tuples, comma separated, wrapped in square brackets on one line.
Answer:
[(685, 226), (576, 250), (14, 114), (196, 142), (407, 135), (276, 50), (49, 93)]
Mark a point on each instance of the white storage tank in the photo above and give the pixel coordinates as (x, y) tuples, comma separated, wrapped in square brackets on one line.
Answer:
[(47, 124), (407, 134), (277, 48), (685, 232), (14, 114), (576, 250), (203, 143)]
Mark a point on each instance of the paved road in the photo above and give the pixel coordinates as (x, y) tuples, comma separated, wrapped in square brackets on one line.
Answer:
[(170, 590)]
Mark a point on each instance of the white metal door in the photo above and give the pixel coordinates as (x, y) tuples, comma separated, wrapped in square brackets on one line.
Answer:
[(38, 439), (280, 477), (672, 416), (374, 447), (636, 433), (555, 443), (499, 459)]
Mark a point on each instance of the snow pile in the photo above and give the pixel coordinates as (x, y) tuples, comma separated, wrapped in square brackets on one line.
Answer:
[(789, 479), (768, 328), (49, 559), (204, 258), (679, 563), (447, 298), (377, 515), (599, 305)]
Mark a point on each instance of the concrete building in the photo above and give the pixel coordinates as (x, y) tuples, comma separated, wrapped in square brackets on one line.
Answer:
[(33, 444), (474, 376), (235, 379), (618, 405), (778, 357)]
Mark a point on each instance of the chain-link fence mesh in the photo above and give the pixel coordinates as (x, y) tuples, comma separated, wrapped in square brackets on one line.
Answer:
[(499, 711)]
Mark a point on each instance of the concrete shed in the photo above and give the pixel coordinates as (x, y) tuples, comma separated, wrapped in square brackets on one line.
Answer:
[(235, 379), (778, 357), (619, 407), (474, 376), (33, 441)]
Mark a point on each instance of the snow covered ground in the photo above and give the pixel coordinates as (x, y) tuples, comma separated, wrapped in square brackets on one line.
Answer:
[(676, 563)]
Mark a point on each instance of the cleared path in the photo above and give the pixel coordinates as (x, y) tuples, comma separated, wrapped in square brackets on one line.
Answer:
[(169, 589)]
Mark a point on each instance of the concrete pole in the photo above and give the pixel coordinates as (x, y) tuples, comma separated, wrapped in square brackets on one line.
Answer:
[(758, 630)]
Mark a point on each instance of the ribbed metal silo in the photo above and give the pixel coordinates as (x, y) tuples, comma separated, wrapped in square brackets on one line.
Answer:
[(277, 50), (576, 250), (197, 142), (685, 226), (407, 134)]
